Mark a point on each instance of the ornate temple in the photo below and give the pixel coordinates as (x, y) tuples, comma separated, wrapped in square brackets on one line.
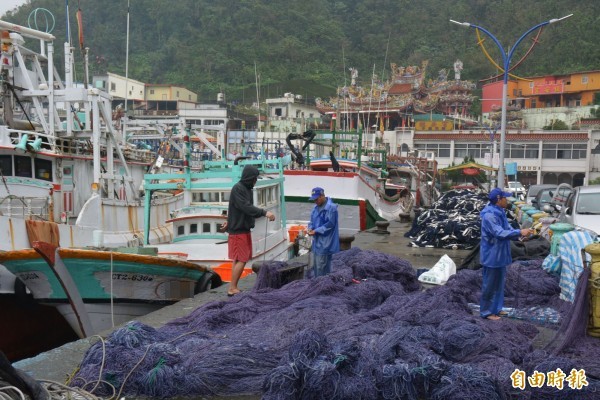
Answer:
[(395, 102)]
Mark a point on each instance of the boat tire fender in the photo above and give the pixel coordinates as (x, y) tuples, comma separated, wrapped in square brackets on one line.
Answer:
[(210, 280)]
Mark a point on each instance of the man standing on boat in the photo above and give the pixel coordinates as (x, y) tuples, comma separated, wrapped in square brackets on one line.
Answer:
[(241, 216), (323, 227), (495, 256)]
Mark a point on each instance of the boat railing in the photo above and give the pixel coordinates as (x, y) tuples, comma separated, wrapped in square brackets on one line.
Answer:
[(25, 207), (75, 146)]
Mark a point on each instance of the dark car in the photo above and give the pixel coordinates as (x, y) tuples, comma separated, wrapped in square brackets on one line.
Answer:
[(543, 197), (534, 189), (560, 195)]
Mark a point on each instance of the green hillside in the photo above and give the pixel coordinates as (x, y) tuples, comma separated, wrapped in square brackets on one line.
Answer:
[(307, 47)]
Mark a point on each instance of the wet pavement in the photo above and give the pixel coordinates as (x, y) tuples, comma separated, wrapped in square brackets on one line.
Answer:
[(61, 362)]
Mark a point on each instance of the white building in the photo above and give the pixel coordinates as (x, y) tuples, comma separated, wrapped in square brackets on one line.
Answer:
[(541, 156), (291, 114), (120, 87)]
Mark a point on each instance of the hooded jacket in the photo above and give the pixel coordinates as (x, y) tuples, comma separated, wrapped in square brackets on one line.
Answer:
[(242, 212), (324, 221), (496, 234)]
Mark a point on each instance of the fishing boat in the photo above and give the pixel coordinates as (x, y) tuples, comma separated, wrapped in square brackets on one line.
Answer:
[(97, 289), (197, 227), (356, 178), (62, 159), (65, 171)]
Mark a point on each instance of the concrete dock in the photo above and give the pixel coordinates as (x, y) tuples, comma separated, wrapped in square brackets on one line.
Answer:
[(61, 362)]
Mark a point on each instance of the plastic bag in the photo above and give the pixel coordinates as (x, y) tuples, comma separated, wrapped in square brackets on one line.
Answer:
[(440, 272)]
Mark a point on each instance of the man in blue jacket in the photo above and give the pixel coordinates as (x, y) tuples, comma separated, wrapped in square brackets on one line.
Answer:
[(323, 227), (496, 234)]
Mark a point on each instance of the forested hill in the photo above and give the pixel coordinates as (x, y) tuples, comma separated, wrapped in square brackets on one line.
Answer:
[(308, 46)]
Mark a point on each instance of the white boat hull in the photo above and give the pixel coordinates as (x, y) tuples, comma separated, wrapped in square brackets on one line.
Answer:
[(358, 198)]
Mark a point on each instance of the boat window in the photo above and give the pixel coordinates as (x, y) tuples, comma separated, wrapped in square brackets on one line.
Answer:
[(219, 227), (225, 196), (193, 228), (180, 230), (23, 166), (206, 197), (43, 169), (206, 227), (260, 194), (6, 165)]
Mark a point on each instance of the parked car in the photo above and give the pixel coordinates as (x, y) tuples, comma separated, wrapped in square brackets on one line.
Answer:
[(560, 196), (516, 188), (534, 189), (543, 197), (582, 208)]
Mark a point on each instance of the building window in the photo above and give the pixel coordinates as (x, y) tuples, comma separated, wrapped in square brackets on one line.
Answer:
[(113, 87), (462, 150), (564, 151), (533, 103), (278, 112), (532, 151), (579, 151), (193, 228), (206, 227), (151, 91), (549, 150), (515, 151), (441, 149), (6, 165), (177, 94), (584, 79), (180, 230)]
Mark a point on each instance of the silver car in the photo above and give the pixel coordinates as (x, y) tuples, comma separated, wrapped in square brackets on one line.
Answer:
[(582, 208)]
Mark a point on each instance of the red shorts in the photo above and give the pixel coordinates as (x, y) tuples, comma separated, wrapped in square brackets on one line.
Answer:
[(240, 247)]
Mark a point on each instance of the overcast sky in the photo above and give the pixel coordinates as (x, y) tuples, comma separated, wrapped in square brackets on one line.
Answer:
[(6, 5)]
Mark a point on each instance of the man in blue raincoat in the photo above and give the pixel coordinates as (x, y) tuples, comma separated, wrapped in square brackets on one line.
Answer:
[(496, 234), (323, 227)]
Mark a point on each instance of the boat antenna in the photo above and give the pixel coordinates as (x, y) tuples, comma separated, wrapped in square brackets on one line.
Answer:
[(257, 98), (68, 31), (127, 61), (382, 73), (84, 50)]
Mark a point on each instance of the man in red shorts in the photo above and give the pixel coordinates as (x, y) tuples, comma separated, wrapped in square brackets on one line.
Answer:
[(240, 221)]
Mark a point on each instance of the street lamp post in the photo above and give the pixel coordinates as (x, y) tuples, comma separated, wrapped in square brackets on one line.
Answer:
[(506, 66)]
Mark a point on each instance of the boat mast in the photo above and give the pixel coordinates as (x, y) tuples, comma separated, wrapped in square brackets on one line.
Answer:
[(127, 60)]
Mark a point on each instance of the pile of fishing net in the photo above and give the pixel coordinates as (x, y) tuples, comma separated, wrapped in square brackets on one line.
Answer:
[(452, 222), (368, 330)]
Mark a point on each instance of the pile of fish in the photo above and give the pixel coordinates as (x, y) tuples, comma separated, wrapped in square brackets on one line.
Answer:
[(453, 222)]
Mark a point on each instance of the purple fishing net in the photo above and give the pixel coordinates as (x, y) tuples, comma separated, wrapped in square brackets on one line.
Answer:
[(368, 330)]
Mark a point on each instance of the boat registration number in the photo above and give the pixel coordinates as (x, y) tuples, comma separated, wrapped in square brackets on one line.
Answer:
[(132, 277), (28, 276)]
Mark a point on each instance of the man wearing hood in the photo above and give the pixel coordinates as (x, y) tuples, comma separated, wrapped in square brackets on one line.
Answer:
[(323, 227), (240, 221), (496, 234)]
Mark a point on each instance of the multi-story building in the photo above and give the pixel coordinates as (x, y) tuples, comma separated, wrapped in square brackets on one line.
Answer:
[(541, 156), (121, 88), (544, 99)]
